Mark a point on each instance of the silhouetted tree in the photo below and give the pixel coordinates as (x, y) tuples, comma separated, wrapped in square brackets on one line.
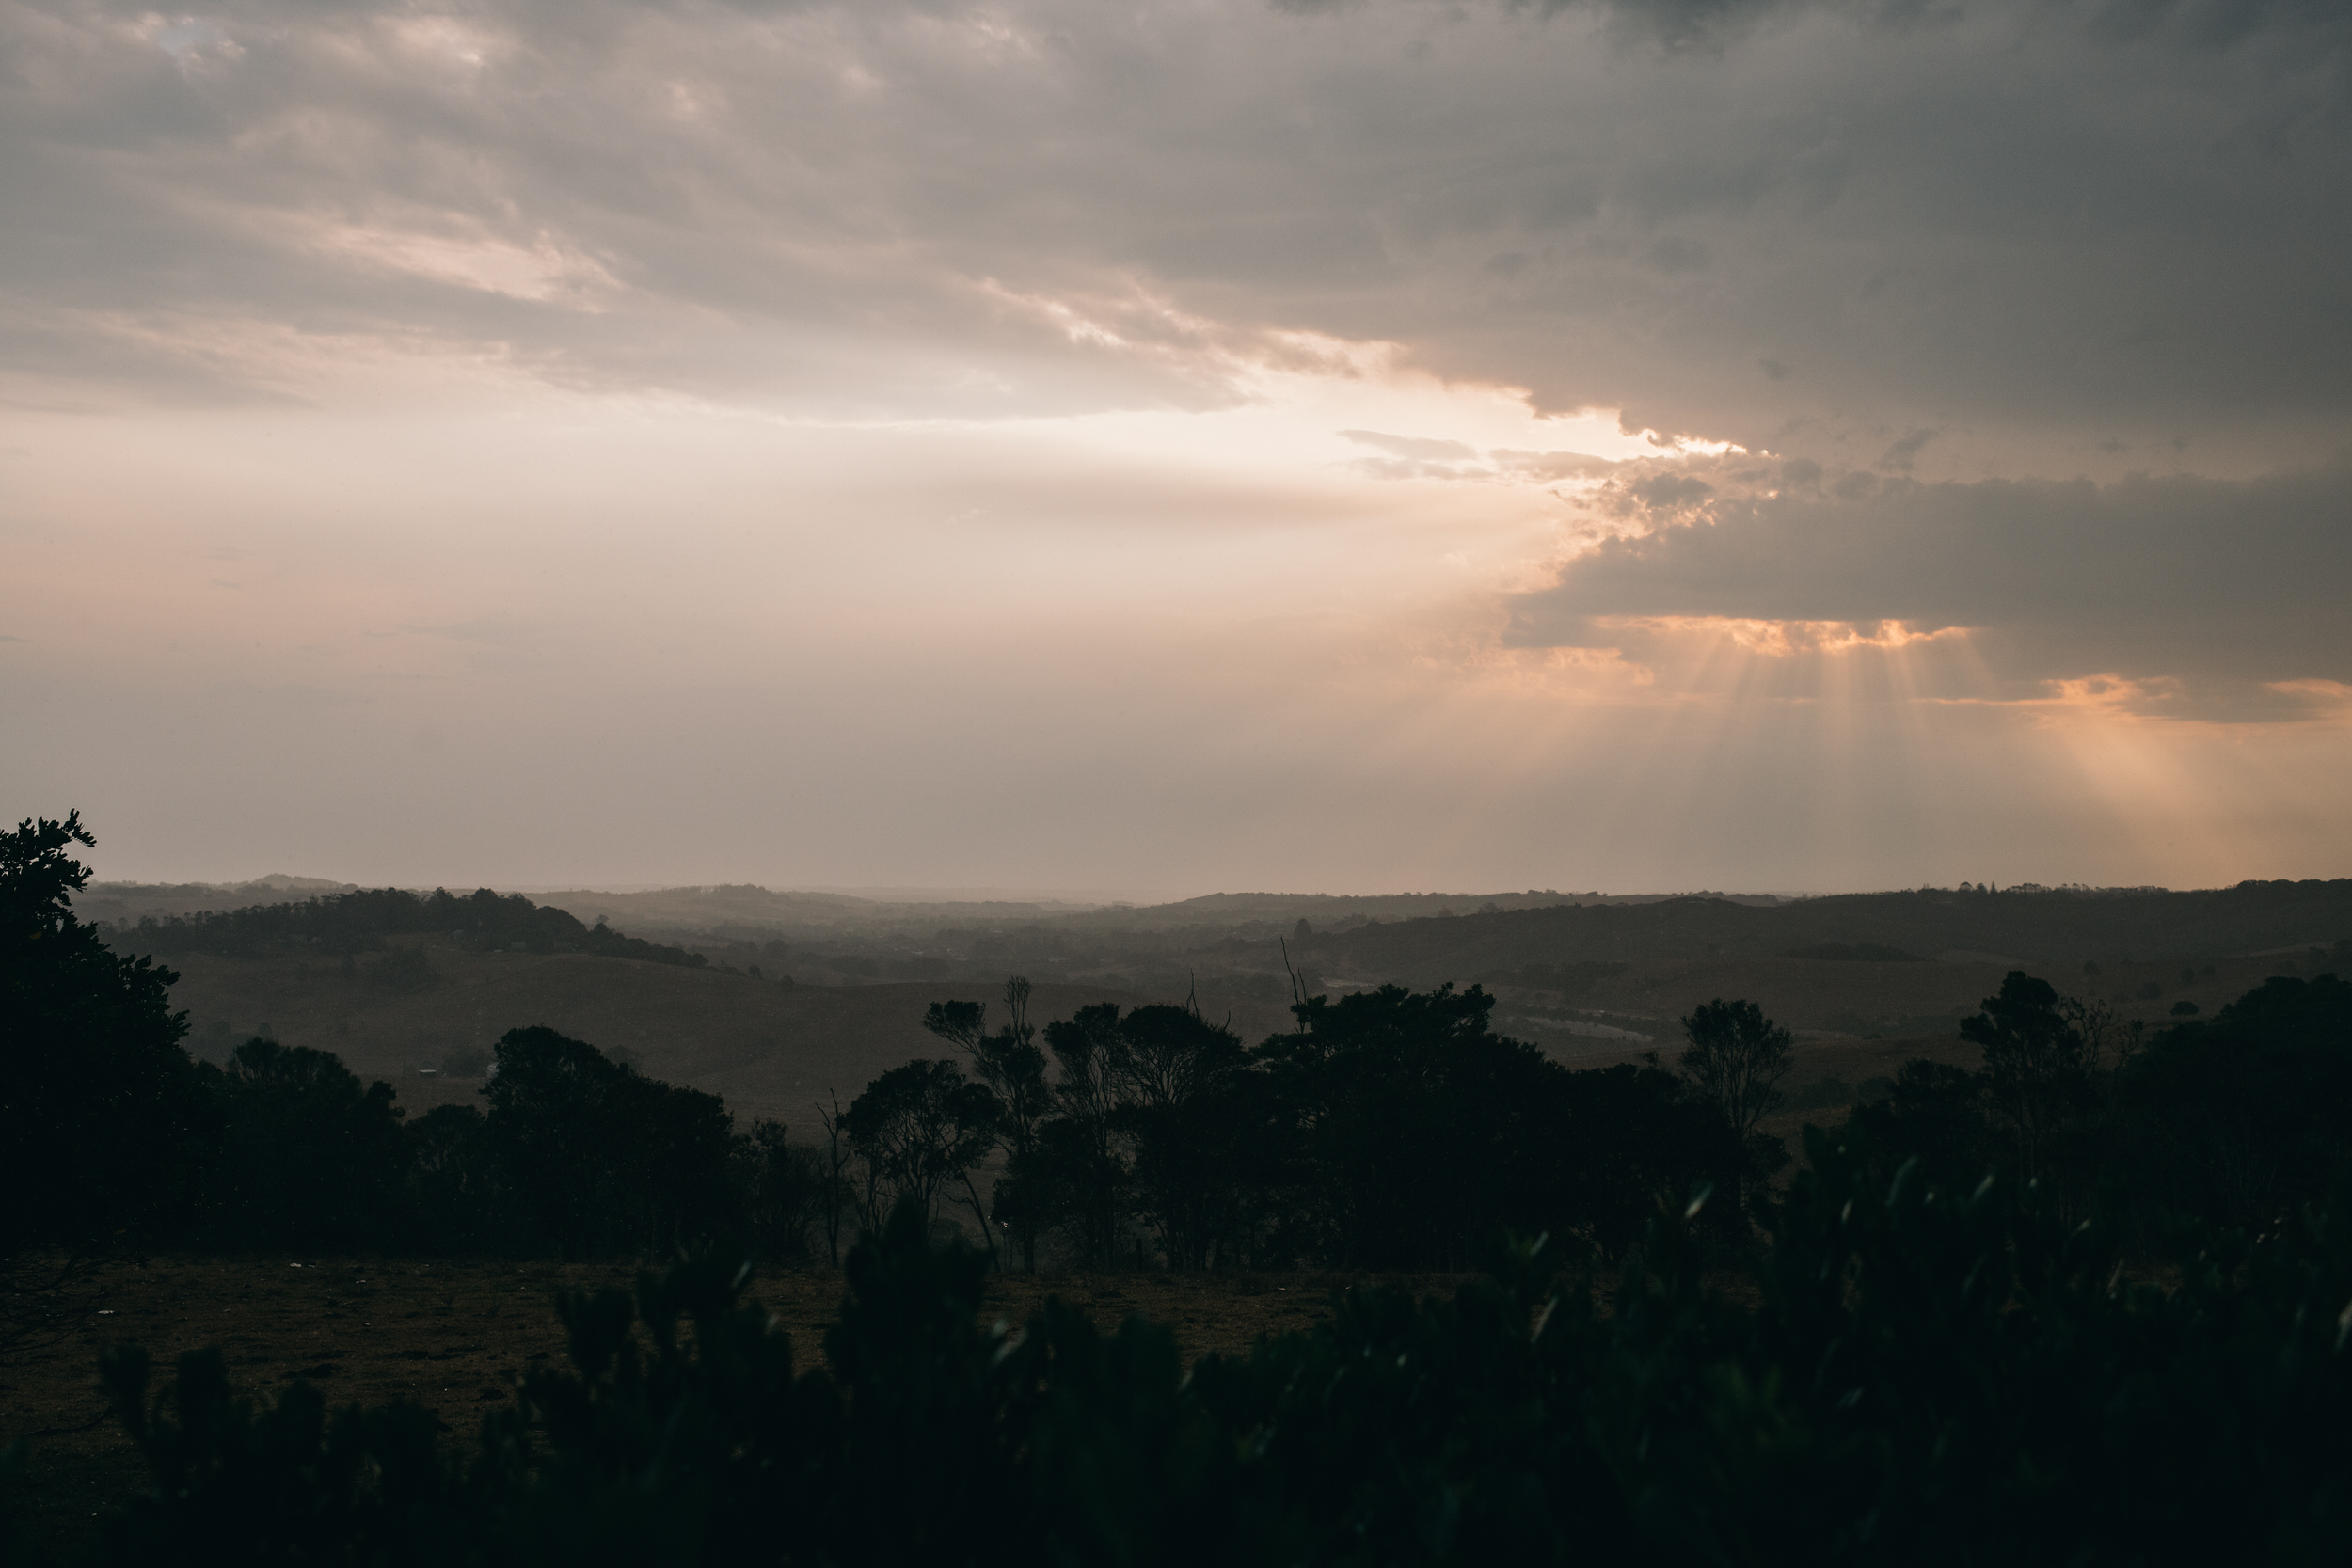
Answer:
[(310, 1157), (1009, 1063), (1625, 1139), (602, 1156), (1007, 1060), (920, 1129), (551, 1121), (102, 1116), (1935, 1114), (783, 1190), (1420, 1135), (458, 1199), (2039, 1070), (840, 1191), (1735, 1062), (675, 1147), (1076, 1179), (2242, 1117), (1193, 1128)]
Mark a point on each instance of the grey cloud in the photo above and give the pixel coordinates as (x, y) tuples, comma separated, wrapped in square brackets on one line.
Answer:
[(2207, 592), (1668, 492), (1678, 253), (1901, 455), (2034, 226)]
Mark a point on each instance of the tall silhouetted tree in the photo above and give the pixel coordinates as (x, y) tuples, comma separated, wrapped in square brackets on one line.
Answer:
[(839, 1162), (2039, 1070), (1190, 1124), (784, 1189), (675, 1147), (102, 1116), (1077, 1179), (920, 1129), (1735, 1062), (551, 1113), (1009, 1063)]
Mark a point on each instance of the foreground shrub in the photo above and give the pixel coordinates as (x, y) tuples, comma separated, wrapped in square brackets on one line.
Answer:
[(1928, 1377)]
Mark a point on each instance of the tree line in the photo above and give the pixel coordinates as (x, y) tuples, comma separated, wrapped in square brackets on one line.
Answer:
[(112, 1138), (342, 924), (2233, 1120), (1387, 1129)]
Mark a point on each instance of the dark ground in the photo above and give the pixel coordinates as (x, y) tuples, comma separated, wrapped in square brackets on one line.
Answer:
[(453, 1335)]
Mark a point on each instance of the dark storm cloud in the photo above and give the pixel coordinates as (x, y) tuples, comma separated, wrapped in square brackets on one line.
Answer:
[(2208, 592), (1901, 248), (2032, 226)]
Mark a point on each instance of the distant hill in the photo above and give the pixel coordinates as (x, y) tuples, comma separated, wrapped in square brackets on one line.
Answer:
[(2041, 928), (768, 1048), (751, 912), (124, 903), (363, 921), (1882, 977)]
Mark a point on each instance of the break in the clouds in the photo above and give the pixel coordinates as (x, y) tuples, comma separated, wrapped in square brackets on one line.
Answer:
[(2201, 595), (1616, 381)]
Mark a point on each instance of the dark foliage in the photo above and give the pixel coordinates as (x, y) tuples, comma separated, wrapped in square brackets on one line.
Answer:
[(598, 1158), (1935, 1115), (1391, 1130), (308, 1158), (2244, 1116), (1925, 1378), (283, 1482), (101, 1111), (1416, 1135), (458, 1199), (1937, 1365), (784, 1192), (2233, 1120), (920, 1130)]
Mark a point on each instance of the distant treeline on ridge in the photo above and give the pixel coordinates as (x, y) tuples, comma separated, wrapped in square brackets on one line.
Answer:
[(343, 922)]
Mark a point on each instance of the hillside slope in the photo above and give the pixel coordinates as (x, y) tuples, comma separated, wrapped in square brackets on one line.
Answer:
[(770, 1049), (2024, 927)]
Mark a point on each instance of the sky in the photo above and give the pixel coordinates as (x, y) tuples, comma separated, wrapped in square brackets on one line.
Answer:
[(1206, 444)]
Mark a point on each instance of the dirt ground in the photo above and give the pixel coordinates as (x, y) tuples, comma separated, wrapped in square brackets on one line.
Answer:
[(454, 1336)]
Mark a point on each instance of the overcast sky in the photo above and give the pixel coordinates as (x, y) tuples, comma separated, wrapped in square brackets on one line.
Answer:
[(1209, 444)]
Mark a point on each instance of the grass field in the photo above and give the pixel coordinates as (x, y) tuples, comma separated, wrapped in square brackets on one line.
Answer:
[(452, 1336)]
